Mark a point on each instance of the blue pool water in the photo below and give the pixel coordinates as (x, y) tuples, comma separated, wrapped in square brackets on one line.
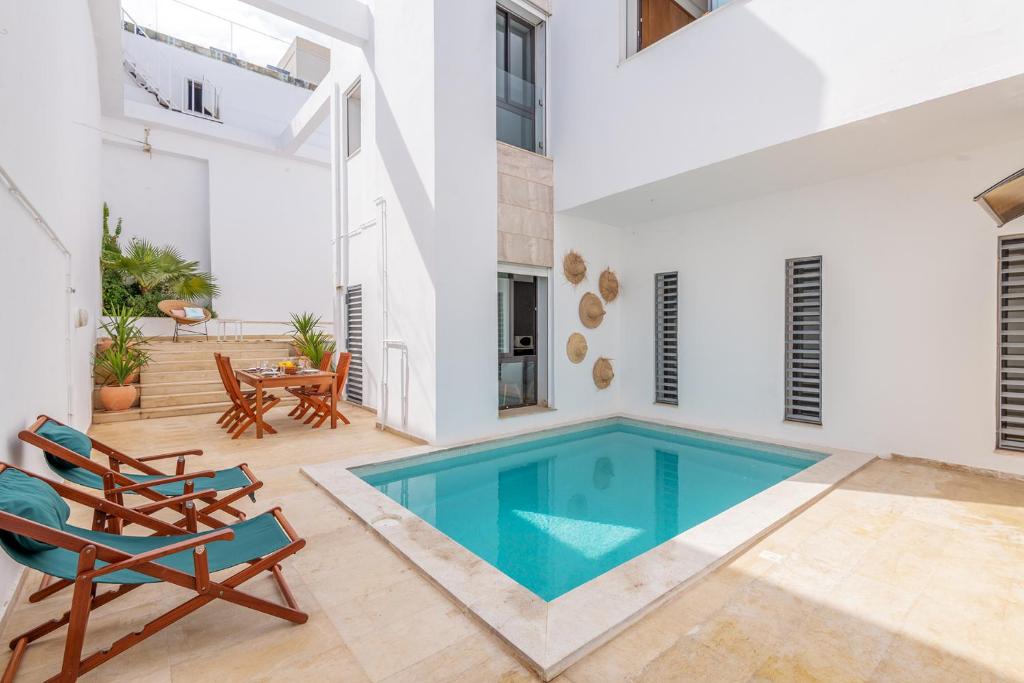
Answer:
[(558, 509)]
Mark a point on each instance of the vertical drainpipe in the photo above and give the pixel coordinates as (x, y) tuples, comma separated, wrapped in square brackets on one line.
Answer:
[(339, 215)]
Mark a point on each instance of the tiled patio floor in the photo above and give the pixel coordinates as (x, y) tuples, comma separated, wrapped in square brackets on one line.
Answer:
[(905, 573)]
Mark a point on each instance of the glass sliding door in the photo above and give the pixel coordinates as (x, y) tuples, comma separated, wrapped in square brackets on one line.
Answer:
[(516, 89), (517, 340)]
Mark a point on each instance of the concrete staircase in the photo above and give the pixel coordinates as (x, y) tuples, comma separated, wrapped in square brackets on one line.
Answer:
[(182, 379)]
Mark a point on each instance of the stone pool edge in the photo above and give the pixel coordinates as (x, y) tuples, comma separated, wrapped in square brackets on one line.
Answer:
[(551, 636)]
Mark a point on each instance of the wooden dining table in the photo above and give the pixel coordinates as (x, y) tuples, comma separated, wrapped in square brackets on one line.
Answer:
[(261, 382)]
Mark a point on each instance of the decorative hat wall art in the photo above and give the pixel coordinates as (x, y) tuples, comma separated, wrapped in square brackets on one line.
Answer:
[(591, 310), (574, 267), (608, 285), (603, 373), (576, 347)]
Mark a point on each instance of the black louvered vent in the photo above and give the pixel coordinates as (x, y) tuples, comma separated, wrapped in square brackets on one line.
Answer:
[(803, 339)]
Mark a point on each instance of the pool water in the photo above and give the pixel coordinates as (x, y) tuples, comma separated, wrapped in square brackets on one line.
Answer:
[(556, 510)]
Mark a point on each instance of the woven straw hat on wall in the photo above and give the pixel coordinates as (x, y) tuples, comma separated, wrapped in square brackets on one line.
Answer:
[(574, 267), (608, 285), (576, 347), (591, 310), (603, 373)]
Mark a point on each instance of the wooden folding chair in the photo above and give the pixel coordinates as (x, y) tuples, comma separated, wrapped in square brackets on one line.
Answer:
[(245, 407), (319, 398), (146, 481), (233, 415), (303, 406), (86, 558)]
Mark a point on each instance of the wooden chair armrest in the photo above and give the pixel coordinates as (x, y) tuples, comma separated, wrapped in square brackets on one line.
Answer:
[(175, 454), (164, 480), (147, 508), (152, 555)]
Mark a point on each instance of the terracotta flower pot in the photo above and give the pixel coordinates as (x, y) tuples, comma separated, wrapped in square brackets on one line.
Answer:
[(117, 398)]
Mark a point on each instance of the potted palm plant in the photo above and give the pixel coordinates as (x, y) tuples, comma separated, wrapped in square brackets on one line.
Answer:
[(119, 366), (119, 358), (308, 341)]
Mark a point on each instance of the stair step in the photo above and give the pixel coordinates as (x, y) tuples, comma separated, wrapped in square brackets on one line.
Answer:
[(183, 399), (155, 377), (204, 364), (101, 417), (161, 355), (180, 387)]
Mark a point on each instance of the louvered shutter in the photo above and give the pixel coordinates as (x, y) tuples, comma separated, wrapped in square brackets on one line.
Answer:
[(1011, 342), (666, 338), (354, 318), (803, 339)]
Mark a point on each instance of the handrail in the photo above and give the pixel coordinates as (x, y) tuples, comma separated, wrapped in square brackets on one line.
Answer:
[(38, 219)]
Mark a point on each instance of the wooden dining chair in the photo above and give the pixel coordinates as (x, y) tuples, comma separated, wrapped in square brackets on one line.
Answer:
[(231, 416), (245, 407), (304, 406), (320, 397)]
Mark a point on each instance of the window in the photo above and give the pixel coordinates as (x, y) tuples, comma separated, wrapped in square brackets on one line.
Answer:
[(1011, 343), (666, 338), (803, 340), (518, 94), (354, 343), (652, 20), (201, 98), (353, 121)]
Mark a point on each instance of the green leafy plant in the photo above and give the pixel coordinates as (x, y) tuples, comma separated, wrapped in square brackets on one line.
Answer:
[(123, 328), (141, 274), (311, 342), (120, 365)]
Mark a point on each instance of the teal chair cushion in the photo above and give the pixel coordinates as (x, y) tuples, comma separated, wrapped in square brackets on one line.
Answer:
[(69, 438), (34, 500)]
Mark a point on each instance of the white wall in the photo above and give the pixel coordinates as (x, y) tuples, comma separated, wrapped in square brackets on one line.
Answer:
[(162, 197), (269, 224), (49, 100), (754, 74), (909, 310), (249, 101)]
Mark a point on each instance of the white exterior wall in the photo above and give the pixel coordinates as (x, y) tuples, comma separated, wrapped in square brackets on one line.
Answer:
[(751, 75), (162, 197), (909, 295), (269, 224), (259, 105), (48, 144)]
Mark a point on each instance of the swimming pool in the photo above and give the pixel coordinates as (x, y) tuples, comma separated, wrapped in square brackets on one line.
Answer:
[(556, 510)]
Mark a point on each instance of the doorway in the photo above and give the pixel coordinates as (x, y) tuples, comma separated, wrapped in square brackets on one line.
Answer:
[(518, 343)]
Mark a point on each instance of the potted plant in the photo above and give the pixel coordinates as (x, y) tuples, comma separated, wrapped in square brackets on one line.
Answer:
[(122, 333), (308, 341), (119, 365)]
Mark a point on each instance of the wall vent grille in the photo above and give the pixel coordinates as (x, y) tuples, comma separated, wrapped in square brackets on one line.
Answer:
[(803, 340), (354, 343), (1011, 343), (666, 338)]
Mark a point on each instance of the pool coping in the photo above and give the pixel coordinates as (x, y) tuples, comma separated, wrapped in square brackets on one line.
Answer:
[(551, 636)]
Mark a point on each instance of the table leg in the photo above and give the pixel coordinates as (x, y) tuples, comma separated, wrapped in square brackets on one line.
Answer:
[(334, 403), (259, 409)]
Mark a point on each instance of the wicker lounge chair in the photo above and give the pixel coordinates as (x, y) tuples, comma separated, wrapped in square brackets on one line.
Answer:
[(175, 310), (33, 517)]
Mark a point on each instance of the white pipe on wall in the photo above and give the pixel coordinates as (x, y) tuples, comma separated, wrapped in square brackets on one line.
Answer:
[(339, 215), (38, 219)]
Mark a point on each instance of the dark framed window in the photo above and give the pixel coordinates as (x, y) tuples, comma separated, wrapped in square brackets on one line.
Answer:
[(516, 80)]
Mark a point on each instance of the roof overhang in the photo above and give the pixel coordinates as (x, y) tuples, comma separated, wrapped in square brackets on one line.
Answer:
[(1004, 201)]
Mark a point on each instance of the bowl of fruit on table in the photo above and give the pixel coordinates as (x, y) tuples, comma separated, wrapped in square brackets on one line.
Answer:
[(288, 367)]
